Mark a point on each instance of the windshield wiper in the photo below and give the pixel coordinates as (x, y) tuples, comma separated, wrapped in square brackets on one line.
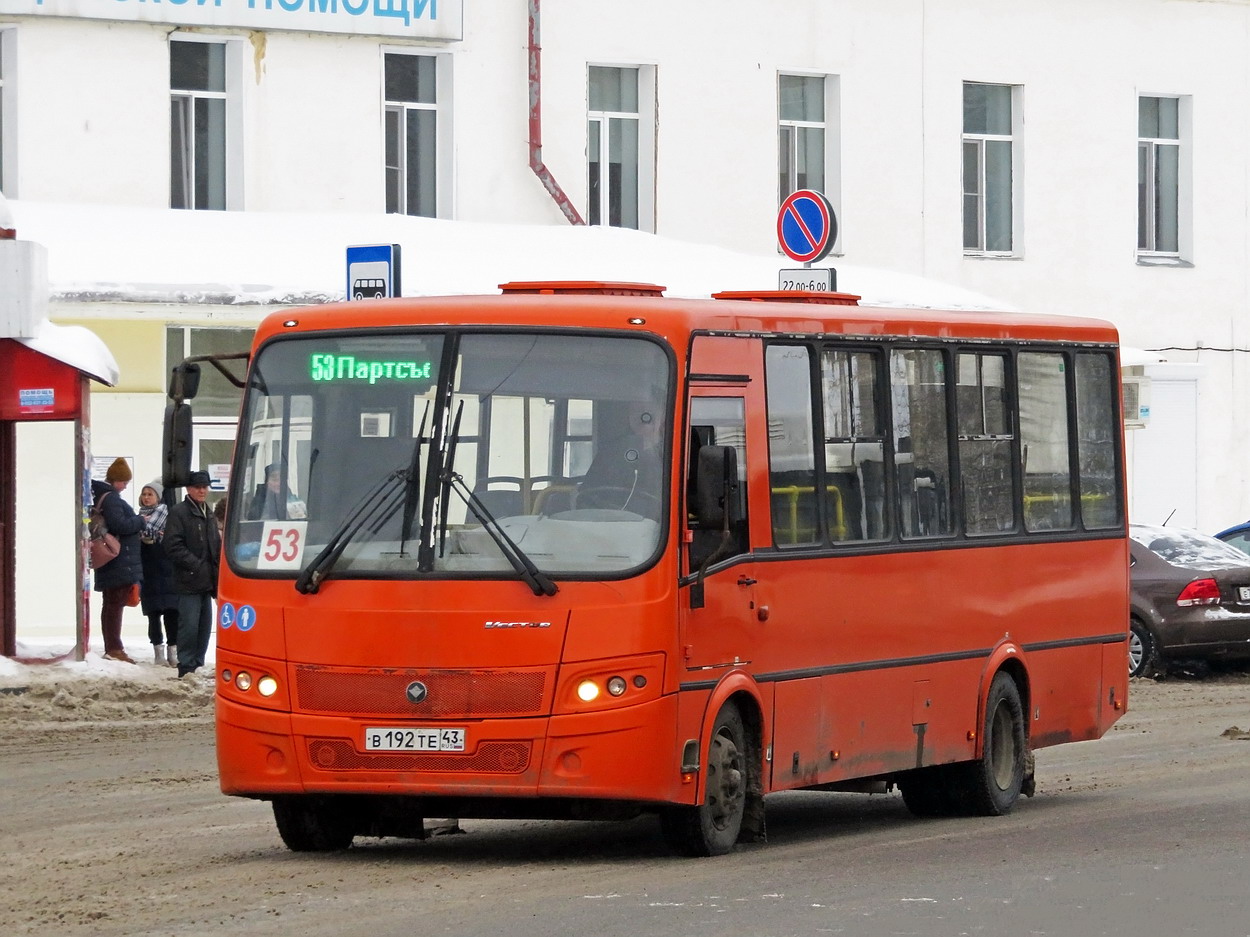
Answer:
[(412, 491), (535, 578), (374, 509)]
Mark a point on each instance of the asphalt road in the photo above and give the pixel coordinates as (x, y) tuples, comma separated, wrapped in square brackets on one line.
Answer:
[(117, 828)]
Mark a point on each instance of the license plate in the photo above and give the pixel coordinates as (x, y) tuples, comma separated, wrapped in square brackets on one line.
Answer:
[(391, 739), (1243, 593)]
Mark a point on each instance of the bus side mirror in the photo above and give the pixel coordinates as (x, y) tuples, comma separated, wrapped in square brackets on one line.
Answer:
[(184, 381), (716, 487), (176, 446)]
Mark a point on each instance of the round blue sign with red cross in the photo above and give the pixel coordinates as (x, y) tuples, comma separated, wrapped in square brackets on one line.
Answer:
[(806, 227)]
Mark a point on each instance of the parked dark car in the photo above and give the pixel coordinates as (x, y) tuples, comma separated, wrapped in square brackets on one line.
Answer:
[(1190, 599), (1237, 536)]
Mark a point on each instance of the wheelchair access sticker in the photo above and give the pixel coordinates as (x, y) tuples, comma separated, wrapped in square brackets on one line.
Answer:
[(244, 617)]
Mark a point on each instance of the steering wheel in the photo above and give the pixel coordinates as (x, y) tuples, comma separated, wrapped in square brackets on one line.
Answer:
[(618, 498)]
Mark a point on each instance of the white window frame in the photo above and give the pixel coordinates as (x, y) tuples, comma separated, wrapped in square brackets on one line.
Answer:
[(1017, 174), (8, 112), (645, 116), (233, 96), (1151, 255), (443, 110), (831, 125)]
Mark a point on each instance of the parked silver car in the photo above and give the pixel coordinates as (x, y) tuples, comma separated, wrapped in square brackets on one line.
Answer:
[(1190, 599)]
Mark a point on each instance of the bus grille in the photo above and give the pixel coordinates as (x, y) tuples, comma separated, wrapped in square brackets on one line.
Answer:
[(490, 757), (449, 693)]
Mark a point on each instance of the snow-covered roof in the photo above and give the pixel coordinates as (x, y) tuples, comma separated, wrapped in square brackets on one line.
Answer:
[(76, 346), (116, 253)]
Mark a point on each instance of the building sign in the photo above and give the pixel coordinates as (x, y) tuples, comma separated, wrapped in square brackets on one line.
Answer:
[(408, 19)]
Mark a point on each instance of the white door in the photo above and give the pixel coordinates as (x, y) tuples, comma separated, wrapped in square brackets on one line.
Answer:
[(211, 451), (1163, 476)]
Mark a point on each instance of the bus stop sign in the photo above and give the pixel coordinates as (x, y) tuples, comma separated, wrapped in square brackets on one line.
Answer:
[(373, 271), (806, 227)]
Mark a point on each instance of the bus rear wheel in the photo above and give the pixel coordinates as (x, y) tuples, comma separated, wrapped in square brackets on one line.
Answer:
[(712, 828), (992, 783), (312, 824)]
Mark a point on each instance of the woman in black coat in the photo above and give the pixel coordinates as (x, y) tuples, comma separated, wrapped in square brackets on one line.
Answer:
[(114, 579), (160, 604)]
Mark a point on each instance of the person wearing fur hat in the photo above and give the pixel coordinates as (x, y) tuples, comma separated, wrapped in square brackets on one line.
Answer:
[(159, 601), (193, 543), (114, 579)]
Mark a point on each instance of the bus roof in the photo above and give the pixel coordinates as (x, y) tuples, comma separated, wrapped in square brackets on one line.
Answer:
[(644, 309)]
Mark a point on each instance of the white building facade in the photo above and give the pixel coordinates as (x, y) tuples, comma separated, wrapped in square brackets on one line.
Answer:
[(1088, 158)]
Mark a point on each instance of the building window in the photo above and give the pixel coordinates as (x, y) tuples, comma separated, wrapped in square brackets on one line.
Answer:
[(990, 182), (1158, 175), (801, 137), (411, 134), (197, 125), (612, 147), (7, 172), (218, 400)]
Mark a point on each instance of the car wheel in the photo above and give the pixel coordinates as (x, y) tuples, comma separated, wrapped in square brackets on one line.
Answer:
[(1143, 650)]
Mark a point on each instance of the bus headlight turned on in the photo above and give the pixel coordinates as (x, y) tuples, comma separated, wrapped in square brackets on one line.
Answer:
[(609, 684)]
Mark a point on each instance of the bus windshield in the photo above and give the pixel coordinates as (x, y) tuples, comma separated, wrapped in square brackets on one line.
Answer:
[(400, 451)]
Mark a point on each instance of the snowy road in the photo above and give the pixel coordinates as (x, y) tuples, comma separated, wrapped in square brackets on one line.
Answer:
[(112, 825)]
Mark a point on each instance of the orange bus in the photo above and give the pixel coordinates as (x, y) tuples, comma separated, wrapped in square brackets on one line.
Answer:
[(583, 551)]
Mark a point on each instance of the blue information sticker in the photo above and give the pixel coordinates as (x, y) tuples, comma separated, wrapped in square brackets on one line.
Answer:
[(225, 614), (246, 618)]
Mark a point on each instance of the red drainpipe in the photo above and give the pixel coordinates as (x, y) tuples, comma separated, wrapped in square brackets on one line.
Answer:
[(536, 121)]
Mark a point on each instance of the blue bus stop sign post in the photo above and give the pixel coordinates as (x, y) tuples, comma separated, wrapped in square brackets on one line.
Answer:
[(373, 271), (806, 226)]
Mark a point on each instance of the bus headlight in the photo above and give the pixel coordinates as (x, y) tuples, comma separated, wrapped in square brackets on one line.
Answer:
[(587, 691), (616, 686), (266, 686), (243, 680)]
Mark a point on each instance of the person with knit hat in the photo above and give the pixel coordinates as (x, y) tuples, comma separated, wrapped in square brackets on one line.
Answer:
[(159, 600), (116, 577)]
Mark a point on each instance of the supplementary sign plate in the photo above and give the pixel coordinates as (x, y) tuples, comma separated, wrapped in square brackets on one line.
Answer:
[(811, 279)]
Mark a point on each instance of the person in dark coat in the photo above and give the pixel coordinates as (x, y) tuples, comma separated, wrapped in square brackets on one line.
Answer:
[(114, 579), (160, 603), (193, 544)]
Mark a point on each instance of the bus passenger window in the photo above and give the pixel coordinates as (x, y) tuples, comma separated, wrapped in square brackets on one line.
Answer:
[(717, 421), (791, 453), (1096, 436), (921, 453), (1043, 391), (985, 442), (854, 484)]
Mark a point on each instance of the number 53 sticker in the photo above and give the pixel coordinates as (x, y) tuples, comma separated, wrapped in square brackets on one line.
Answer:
[(282, 545)]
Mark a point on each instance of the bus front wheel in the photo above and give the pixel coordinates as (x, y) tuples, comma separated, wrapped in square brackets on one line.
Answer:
[(993, 782), (712, 828), (312, 824)]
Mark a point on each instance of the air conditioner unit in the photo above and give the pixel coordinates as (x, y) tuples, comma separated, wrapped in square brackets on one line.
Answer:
[(1136, 391)]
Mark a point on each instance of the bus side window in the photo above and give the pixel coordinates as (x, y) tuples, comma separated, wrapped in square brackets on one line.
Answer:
[(717, 421)]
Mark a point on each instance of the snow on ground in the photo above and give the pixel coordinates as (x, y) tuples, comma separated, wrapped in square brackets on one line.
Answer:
[(45, 684)]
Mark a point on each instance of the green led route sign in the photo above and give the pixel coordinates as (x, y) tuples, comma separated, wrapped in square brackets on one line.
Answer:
[(329, 367)]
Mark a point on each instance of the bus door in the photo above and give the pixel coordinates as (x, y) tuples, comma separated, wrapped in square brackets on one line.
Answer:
[(721, 623)]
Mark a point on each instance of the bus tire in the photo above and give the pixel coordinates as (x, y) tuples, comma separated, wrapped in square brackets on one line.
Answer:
[(1143, 650), (312, 824), (993, 782), (712, 827)]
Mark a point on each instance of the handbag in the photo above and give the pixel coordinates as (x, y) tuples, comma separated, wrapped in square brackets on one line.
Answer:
[(132, 597), (104, 545)]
